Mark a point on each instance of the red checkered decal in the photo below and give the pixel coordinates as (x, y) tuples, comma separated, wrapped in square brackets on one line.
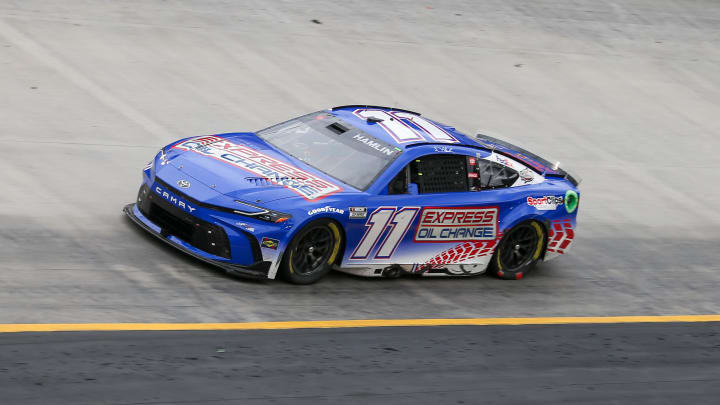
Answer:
[(461, 253), (561, 236)]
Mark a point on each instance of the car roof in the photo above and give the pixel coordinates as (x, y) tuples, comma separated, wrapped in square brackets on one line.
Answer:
[(482, 141), (347, 113)]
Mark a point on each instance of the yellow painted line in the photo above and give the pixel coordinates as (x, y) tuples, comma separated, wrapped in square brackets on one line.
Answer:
[(357, 323)]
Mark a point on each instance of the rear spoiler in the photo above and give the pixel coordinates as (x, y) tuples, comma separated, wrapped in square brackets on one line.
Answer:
[(374, 106), (532, 160)]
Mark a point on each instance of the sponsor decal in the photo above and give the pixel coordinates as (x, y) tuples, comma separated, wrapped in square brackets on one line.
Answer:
[(526, 175), (183, 183), (270, 243), (305, 184), (457, 224), (547, 203), (326, 208), (380, 147), (174, 200), (472, 161), (503, 160), (245, 226), (472, 175), (443, 149), (358, 212)]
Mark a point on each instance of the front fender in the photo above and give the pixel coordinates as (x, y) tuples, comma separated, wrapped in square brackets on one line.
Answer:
[(288, 236)]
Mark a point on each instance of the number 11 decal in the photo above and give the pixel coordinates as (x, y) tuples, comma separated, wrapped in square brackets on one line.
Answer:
[(399, 222), (397, 125)]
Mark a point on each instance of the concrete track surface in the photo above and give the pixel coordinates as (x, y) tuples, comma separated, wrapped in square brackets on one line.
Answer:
[(627, 93)]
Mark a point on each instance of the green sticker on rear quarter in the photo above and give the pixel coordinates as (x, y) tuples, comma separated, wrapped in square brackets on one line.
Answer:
[(571, 201)]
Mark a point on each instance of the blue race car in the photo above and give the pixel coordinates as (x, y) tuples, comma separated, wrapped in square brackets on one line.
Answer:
[(367, 190)]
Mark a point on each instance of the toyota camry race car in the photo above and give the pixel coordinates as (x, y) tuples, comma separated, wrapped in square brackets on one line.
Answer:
[(367, 190)]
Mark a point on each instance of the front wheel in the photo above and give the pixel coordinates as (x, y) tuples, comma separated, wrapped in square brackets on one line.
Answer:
[(518, 251), (311, 253)]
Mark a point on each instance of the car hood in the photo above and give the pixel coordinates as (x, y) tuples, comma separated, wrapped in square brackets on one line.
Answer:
[(244, 167)]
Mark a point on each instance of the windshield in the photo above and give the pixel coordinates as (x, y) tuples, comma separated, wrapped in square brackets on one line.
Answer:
[(334, 147)]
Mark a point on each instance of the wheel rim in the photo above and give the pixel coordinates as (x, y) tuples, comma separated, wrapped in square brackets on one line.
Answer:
[(519, 247), (312, 250)]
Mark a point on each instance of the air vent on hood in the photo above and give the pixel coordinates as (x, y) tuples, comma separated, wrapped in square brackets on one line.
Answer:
[(259, 181), (337, 128)]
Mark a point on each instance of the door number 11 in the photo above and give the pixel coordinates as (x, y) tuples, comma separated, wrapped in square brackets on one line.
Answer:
[(399, 221)]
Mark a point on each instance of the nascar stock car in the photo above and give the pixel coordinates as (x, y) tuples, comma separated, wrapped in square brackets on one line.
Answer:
[(367, 190)]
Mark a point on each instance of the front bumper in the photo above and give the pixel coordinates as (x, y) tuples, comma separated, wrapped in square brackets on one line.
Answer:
[(258, 270)]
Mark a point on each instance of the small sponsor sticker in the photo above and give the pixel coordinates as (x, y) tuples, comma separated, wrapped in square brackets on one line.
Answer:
[(503, 161), (526, 176), (358, 212), (471, 161), (546, 203), (270, 243), (245, 226), (472, 175), (326, 208)]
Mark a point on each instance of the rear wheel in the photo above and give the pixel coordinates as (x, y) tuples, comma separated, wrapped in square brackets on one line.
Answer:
[(311, 253), (518, 251)]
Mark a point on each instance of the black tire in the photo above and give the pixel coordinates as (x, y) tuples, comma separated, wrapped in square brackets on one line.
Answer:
[(519, 250), (311, 253)]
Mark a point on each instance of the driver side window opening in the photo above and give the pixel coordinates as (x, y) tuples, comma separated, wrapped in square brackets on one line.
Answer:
[(452, 173)]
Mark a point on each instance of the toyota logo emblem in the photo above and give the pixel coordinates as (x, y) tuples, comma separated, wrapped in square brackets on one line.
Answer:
[(183, 183)]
